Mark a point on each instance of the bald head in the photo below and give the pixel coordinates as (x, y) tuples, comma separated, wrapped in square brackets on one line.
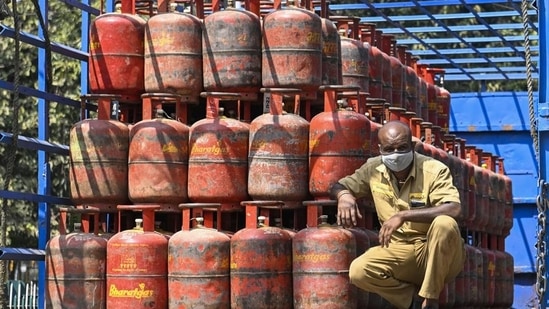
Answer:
[(395, 136)]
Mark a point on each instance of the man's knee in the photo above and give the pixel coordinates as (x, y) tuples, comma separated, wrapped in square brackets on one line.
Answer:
[(357, 275), (445, 224)]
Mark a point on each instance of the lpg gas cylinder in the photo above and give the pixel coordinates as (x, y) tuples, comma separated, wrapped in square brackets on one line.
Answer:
[(375, 60), (292, 49), (331, 54), (98, 171), (261, 267), (116, 64), (354, 64), (323, 254), (75, 265), (278, 154), (218, 159), (173, 54), (137, 265), (443, 111), (231, 49), (198, 268), (339, 143), (157, 161)]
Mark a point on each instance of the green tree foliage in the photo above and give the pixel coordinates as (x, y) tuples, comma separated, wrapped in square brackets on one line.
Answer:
[(457, 86), (64, 28)]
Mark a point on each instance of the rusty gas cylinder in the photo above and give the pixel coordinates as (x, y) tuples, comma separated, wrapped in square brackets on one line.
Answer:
[(398, 74), (375, 61), (278, 154), (218, 160), (98, 169), (75, 264), (231, 51), (354, 64), (198, 266), (292, 49), (116, 65), (443, 111), (137, 265), (323, 254), (331, 54), (261, 267), (339, 142), (384, 44), (157, 161), (173, 54)]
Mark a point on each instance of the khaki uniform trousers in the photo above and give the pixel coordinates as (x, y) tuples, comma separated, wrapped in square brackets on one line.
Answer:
[(394, 273)]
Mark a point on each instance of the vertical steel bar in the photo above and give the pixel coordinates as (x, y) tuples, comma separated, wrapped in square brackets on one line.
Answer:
[(44, 173)]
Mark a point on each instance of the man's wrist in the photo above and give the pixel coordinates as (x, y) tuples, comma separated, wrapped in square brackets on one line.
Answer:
[(342, 192)]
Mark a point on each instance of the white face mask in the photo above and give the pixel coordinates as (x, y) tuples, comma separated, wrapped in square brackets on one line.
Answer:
[(397, 162)]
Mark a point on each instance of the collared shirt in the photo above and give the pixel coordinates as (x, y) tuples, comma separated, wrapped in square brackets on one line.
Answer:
[(429, 184)]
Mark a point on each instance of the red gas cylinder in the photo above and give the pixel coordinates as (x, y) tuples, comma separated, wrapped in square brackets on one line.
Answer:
[(278, 157), (331, 54), (339, 143), (421, 70), (354, 64), (157, 161), (137, 265), (375, 61), (231, 47), (218, 160), (116, 66), (489, 268), (322, 253), (261, 267), (384, 43), (173, 54), (398, 70), (509, 276), (98, 171), (377, 110), (292, 49), (75, 264), (443, 114), (476, 284), (198, 267), (411, 84)]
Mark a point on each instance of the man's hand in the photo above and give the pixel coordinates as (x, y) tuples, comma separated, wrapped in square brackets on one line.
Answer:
[(347, 209), (387, 229)]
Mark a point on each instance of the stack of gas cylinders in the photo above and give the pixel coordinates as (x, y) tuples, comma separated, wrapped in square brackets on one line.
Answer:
[(232, 210)]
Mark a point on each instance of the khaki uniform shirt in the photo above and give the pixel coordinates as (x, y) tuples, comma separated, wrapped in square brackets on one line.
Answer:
[(429, 184)]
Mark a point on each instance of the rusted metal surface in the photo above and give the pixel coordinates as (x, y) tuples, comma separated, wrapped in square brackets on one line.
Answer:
[(158, 161), (173, 54), (354, 64), (443, 111), (117, 66), (137, 265), (198, 269), (331, 54), (98, 171), (218, 160), (231, 47), (375, 61), (398, 73), (339, 143), (278, 154), (261, 268), (75, 267), (384, 44), (323, 255), (292, 49)]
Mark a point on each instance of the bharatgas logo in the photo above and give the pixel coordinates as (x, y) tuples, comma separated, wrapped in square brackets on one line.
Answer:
[(137, 293)]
